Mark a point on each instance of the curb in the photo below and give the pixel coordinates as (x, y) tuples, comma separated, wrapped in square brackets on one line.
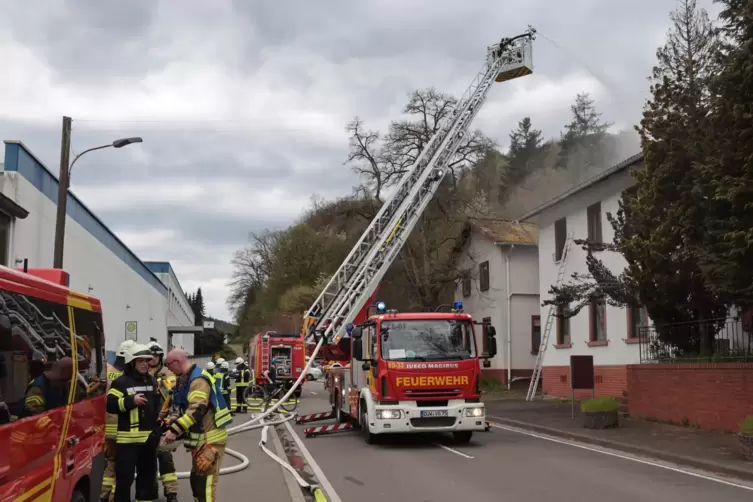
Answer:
[(730, 471), (296, 495)]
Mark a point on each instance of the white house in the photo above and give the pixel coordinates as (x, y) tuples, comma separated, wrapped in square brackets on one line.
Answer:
[(179, 312), (608, 333), (501, 286), (134, 300)]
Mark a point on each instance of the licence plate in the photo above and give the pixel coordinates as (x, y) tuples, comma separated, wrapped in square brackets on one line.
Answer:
[(434, 413)]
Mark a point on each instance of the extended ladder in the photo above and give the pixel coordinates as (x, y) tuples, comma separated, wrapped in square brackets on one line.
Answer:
[(549, 323), (358, 276)]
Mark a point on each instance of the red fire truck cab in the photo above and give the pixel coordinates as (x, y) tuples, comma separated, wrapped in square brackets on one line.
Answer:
[(52, 388), (289, 348), (413, 372)]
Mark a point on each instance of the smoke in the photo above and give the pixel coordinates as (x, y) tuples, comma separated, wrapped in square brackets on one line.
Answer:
[(547, 181)]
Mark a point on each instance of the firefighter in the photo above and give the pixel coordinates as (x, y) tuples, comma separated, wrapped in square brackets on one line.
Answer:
[(165, 384), (225, 366), (50, 389), (241, 384), (114, 371), (204, 419), (135, 399), (210, 368)]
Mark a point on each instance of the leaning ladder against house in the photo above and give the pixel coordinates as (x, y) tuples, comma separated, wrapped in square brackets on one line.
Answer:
[(549, 323)]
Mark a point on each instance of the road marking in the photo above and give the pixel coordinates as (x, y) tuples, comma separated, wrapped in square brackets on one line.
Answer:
[(453, 451), (626, 457), (323, 481)]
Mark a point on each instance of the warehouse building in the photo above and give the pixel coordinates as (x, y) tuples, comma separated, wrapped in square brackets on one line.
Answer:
[(137, 303)]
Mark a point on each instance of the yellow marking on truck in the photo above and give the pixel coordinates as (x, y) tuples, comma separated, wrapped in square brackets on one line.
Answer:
[(431, 381)]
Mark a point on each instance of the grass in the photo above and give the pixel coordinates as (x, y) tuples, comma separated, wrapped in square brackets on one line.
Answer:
[(747, 426), (600, 404)]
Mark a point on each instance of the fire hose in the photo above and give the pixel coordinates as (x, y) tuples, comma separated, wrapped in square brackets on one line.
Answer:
[(257, 422)]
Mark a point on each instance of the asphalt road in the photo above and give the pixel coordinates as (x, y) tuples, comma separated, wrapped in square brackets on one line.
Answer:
[(499, 465)]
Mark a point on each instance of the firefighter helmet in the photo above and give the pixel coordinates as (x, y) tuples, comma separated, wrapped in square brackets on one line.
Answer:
[(124, 347), (219, 360), (156, 348), (137, 351), (210, 365), (239, 361), (225, 365)]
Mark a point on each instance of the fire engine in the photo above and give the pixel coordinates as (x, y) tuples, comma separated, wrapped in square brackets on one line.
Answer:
[(52, 388), (287, 347), (420, 371)]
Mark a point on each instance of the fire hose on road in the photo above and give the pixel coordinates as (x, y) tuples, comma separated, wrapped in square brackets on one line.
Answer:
[(257, 421)]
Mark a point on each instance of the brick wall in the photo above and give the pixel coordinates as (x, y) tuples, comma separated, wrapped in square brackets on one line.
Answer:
[(713, 396), (609, 381)]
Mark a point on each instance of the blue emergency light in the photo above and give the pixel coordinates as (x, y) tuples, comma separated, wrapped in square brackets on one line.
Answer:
[(381, 306), (457, 306)]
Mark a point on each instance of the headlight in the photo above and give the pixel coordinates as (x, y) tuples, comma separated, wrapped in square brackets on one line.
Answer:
[(474, 412), (388, 414)]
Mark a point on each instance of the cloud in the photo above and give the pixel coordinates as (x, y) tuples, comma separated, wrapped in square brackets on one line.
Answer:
[(242, 105)]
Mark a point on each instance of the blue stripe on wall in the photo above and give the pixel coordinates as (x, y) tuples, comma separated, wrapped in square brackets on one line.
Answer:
[(18, 158)]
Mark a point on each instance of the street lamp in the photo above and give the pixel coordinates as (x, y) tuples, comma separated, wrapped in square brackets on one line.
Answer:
[(64, 184)]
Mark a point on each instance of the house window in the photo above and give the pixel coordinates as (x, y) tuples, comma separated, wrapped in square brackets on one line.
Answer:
[(483, 276), (466, 282), (535, 334), (560, 235), (563, 326), (593, 213), (597, 321), (637, 319)]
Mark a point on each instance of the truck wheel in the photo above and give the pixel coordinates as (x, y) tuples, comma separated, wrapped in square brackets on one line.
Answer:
[(462, 436), (297, 392), (365, 432), (77, 496)]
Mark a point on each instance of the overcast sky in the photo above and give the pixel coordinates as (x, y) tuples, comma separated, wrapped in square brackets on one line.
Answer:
[(242, 104)]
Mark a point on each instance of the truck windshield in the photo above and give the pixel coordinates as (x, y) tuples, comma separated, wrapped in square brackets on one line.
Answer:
[(427, 340)]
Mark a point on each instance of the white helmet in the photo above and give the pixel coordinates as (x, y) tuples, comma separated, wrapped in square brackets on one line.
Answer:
[(225, 365), (210, 365), (239, 361), (156, 348), (124, 347), (219, 361), (137, 351)]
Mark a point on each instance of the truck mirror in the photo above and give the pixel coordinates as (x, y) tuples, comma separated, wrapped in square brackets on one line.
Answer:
[(491, 346), (357, 348), (491, 331), (357, 333)]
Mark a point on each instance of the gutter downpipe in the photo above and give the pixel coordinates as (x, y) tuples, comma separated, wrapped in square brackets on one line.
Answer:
[(509, 317)]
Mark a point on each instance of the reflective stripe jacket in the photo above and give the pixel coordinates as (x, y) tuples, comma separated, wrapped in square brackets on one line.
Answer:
[(135, 423), (42, 394), (111, 424), (205, 414), (244, 377)]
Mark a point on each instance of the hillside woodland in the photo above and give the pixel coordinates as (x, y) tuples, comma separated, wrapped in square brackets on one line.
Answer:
[(685, 229), (280, 273)]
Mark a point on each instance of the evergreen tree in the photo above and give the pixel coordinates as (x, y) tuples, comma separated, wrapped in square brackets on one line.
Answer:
[(726, 180), (658, 224), (525, 144), (586, 129)]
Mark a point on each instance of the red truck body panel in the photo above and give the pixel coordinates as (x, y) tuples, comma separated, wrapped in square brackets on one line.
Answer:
[(37, 460)]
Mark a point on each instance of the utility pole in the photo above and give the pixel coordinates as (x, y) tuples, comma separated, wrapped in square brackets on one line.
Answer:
[(63, 183)]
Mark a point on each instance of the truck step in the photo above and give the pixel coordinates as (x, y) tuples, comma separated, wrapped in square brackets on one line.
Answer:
[(328, 429), (315, 417)]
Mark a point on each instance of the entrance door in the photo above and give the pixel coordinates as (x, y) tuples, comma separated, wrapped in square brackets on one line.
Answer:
[(535, 334)]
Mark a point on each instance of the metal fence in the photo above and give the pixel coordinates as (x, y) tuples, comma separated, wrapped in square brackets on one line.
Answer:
[(714, 340)]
